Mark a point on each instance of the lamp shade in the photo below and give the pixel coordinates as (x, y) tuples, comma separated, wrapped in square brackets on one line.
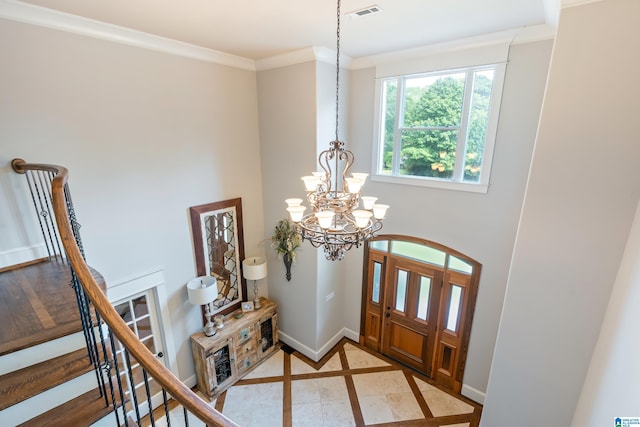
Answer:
[(254, 268), (202, 290)]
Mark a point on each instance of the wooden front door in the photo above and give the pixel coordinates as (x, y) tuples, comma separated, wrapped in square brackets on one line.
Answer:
[(418, 303), (411, 313)]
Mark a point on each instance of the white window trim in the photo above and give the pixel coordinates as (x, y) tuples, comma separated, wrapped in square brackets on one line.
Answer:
[(494, 55)]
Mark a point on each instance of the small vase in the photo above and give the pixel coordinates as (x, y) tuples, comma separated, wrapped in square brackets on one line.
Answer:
[(287, 263)]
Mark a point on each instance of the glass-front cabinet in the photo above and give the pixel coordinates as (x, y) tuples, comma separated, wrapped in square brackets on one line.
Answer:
[(241, 344)]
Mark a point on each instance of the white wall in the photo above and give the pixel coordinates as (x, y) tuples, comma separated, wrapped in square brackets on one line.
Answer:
[(581, 199), (292, 136), (287, 111), (612, 384), (145, 135), (482, 226)]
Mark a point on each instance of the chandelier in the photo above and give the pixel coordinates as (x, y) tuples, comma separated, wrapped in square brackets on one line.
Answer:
[(336, 222)]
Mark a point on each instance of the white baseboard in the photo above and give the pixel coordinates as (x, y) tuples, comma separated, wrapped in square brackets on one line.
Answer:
[(473, 394), (22, 255), (316, 355), (191, 381)]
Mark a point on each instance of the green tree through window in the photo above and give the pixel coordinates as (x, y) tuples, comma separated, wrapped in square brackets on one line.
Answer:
[(441, 128)]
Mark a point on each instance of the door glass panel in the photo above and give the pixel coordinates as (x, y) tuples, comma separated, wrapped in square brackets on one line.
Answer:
[(423, 297), (454, 307), (401, 291), (419, 252), (460, 265), (138, 312), (375, 294), (380, 245)]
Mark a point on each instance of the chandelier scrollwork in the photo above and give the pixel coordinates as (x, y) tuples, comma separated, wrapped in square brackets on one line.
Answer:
[(336, 223)]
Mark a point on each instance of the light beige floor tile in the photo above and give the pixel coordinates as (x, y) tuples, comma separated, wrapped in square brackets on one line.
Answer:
[(381, 383), (361, 359), (332, 364), (266, 416), (299, 367), (239, 414), (337, 414), (404, 406), (458, 425), (307, 415), (239, 397), (272, 367), (305, 391), (268, 394), (375, 409), (441, 403), (333, 389)]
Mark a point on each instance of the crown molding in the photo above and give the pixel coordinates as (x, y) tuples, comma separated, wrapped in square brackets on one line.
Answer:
[(313, 53), (513, 36), (36, 15)]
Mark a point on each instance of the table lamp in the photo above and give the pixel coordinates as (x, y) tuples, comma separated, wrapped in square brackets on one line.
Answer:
[(203, 290), (254, 268)]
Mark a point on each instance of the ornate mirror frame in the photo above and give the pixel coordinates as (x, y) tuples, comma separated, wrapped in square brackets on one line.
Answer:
[(218, 243)]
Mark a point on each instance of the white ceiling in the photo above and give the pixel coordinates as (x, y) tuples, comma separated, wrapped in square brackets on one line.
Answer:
[(259, 29)]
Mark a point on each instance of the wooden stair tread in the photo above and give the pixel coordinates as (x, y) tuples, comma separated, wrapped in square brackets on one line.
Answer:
[(27, 382), (84, 410), (37, 304)]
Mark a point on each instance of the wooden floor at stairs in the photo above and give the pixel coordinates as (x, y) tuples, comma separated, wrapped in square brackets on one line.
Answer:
[(38, 305), (80, 412), (20, 385)]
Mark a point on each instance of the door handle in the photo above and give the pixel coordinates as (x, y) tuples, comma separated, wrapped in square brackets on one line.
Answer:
[(387, 314)]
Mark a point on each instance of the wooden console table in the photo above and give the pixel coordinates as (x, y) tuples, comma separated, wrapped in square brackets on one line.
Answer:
[(235, 349)]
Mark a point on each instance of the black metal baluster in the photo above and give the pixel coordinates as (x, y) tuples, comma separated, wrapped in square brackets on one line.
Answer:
[(75, 225), (133, 386), (45, 213), (45, 182), (146, 388), (165, 402), (119, 381), (106, 365), (31, 184)]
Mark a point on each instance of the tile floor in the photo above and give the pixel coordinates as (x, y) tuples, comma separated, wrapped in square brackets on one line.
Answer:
[(351, 388)]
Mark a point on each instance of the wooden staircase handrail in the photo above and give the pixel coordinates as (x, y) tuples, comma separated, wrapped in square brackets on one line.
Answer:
[(180, 392)]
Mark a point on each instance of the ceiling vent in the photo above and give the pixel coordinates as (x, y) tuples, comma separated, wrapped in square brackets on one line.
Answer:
[(369, 10)]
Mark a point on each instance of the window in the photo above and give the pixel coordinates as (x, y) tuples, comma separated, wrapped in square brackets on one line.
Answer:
[(438, 128)]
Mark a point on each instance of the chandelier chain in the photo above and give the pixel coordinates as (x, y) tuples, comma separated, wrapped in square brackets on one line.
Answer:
[(336, 223), (337, 69)]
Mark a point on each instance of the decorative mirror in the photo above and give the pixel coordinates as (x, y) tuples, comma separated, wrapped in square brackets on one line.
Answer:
[(219, 249)]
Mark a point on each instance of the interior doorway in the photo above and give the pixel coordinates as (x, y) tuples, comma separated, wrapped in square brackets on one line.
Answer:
[(419, 298)]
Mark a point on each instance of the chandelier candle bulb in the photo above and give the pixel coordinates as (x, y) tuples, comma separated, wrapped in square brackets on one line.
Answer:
[(361, 176), (311, 182), (368, 201), (293, 202), (325, 218), (296, 213), (362, 218), (354, 185), (379, 211), (320, 175)]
